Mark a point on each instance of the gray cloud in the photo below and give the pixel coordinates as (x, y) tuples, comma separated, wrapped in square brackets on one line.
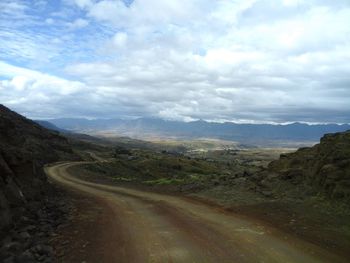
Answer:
[(254, 61)]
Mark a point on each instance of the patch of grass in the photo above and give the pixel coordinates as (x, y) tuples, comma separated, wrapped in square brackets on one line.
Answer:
[(166, 168), (165, 181), (123, 179), (148, 166)]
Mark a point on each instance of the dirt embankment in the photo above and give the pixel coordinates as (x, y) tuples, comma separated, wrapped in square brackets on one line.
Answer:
[(28, 209)]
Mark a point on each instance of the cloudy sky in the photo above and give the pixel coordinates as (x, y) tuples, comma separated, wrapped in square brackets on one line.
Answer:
[(219, 60)]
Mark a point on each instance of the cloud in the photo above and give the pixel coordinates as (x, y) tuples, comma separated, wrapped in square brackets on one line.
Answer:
[(15, 9), (83, 3), (120, 39), (45, 36), (23, 79), (35, 92), (257, 60), (77, 24)]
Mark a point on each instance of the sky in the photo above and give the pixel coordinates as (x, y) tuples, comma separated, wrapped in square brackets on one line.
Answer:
[(256, 61)]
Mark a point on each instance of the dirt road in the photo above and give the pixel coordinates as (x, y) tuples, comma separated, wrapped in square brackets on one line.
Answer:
[(151, 227)]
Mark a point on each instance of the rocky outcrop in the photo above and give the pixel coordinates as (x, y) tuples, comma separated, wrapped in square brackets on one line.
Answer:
[(325, 167), (25, 147)]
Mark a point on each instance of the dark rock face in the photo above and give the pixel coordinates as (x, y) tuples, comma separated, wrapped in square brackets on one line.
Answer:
[(325, 167), (24, 148), (28, 239)]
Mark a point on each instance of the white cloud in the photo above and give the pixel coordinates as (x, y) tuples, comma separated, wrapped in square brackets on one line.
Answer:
[(120, 39), (83, 3), (77, 24), (13, 8), (49, 21), (37, 94), (292, 2), (19, 82), (278, 60)]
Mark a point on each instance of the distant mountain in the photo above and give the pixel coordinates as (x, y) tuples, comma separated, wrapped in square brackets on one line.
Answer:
[(76, 124), (75, 136), (48, 125), (263, 134)]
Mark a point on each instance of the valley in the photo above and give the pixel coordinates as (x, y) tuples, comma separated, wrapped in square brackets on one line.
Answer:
[(70, 197), (230, 182), (174, 131)]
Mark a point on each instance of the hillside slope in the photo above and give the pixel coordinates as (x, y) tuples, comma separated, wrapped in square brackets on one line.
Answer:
[(323, 169), (48, 125), (25, 147)]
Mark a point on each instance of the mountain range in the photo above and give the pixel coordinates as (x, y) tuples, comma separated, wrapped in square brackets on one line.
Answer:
[(260, 134)]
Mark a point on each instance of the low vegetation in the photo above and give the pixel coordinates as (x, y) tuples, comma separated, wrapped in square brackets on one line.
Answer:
[(158, 168), (304, 191), (192, 170)]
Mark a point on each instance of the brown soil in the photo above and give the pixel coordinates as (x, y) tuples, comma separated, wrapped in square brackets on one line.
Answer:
[(92, 233), (298, 220), (126, 225)]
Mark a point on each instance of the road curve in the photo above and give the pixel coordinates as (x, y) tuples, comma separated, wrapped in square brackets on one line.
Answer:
[(161, 228)]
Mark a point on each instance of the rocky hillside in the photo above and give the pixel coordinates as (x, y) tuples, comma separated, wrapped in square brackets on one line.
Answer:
[(323, 169), (25, 147)]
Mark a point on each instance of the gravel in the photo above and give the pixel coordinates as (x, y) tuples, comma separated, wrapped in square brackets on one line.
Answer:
[(27, 240)]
